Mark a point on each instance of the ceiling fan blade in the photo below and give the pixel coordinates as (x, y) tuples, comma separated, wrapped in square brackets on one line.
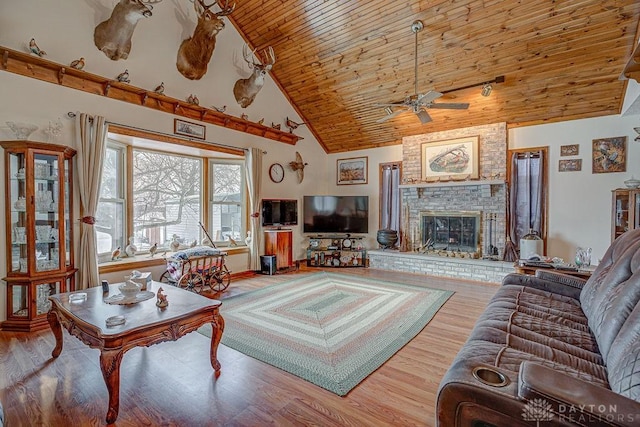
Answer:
[(449, 105), (390, 116), (428, 97), (423, 116)]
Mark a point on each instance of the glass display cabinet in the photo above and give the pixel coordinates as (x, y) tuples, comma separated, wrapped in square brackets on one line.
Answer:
[(625, 211), (39, 232)]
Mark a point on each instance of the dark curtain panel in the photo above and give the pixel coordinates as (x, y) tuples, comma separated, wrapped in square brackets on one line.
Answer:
[(390, 198), (526, 194)]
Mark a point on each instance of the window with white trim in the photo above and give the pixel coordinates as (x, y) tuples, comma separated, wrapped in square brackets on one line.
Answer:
[(110, 216), (227, 201)]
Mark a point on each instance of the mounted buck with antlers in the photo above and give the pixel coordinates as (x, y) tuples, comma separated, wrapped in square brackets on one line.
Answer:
[(113, 36), (195, 52), (245, 90)]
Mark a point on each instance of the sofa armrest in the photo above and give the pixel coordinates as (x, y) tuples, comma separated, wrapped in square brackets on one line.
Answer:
[(557, 283), (572, 399)]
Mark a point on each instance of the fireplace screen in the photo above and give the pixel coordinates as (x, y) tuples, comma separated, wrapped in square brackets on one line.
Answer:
[(450, 230)]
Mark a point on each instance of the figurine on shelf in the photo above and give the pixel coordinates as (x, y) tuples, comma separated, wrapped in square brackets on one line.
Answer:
[(219, 109), (247, 240), (33, 48), (275, 126), (78, 64), (153, 249), (193, 99), (243, 116), (131, 248), (115, 255), (292, 125), (159, 89), (161, 298), (175, 244), (124, 77), (261, 122), (193, 244)]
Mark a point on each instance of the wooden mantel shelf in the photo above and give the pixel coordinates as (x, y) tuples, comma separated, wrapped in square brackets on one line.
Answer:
[(35, 67), (452, 183)]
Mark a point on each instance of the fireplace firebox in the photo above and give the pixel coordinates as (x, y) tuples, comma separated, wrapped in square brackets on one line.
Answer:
[(457, 231)]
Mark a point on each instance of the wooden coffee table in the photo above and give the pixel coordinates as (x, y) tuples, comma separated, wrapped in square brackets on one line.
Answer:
[(145, 325)]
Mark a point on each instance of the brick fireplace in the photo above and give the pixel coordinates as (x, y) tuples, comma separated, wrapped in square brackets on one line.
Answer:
[(485, 197)]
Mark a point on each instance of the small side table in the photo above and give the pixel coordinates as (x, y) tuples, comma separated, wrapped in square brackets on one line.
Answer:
[(531, 270)]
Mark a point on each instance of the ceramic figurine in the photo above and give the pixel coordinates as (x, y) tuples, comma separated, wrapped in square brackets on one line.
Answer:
[(78, 64), (261, 121), (247, 240), (292, 125), (124, 77), (131, 248), (161, 298), (219, 109), (159, 89), (193, 244), (193, 99), (175, 244), (33, 48), (275, 126), (243, 116), (115, 255), (153, 249)]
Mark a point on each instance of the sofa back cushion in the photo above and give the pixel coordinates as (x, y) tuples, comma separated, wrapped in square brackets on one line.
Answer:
[(613, 290), (623, 362)]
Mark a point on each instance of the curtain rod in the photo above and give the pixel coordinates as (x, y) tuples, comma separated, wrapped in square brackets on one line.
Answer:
[(72, 115)]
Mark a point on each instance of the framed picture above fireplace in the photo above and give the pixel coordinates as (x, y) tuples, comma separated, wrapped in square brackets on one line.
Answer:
[(452, 159)]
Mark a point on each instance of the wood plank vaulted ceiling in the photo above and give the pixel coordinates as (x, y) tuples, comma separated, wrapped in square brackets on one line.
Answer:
[(337, 59)]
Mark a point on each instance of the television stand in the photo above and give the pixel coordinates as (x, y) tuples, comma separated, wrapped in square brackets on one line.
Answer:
[(336, 251), (279, 243)]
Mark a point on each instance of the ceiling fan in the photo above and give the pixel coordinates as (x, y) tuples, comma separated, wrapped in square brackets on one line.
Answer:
[(418, 102)]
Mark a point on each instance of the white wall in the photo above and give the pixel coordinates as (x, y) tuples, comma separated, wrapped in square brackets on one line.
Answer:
[(580, 202)]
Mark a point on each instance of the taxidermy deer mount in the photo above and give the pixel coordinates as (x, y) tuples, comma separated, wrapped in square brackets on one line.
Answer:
[(245, 90), (195, 52), (113, 36)]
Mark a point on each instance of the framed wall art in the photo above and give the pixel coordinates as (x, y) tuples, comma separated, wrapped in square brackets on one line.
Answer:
[(354, 170), (570, 150), (570, 165), (609, 154), (450, 159), (192, 130)]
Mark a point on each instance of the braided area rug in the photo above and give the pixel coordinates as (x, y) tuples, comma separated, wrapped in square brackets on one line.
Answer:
[(330, 329)]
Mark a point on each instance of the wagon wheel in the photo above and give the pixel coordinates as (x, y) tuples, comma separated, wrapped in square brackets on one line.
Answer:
[(166, 278), (191, 281), (221, 279)]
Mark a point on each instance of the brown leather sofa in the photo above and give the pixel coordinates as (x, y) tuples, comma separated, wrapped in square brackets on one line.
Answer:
[(553, 350)]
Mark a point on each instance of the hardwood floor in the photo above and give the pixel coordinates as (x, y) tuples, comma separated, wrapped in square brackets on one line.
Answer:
[(173, 384)]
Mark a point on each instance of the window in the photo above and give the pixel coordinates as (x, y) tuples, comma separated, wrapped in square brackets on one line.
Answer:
[(227, 213), (159, 194), (110, 216), (167, 198), (528, 193)]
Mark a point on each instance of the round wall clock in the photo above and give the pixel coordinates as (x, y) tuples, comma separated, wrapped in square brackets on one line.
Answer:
[(276, 172)]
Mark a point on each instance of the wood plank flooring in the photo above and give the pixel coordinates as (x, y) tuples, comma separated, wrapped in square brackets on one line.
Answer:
[(172, 384)]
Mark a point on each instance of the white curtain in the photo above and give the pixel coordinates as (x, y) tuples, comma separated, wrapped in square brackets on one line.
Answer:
[(91, 133), (254, 184)]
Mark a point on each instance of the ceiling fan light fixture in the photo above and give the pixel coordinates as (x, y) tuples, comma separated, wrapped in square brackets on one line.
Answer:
[(486, 89)]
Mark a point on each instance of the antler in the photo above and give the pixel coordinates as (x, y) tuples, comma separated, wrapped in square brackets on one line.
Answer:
[(225, 10), (269, 56), (248, 56)]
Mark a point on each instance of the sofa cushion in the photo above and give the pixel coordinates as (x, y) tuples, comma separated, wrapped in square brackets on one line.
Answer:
[(623, 362), (612, 291)]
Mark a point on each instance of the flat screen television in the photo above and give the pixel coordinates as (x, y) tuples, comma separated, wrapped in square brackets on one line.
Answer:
[(278, 212), (336, 214)]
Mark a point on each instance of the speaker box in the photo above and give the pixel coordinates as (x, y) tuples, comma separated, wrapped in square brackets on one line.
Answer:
[(268, 264)]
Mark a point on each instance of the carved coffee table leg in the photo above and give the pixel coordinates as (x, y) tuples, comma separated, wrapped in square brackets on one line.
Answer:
[(110, 365), (216, 335), (52, 317)]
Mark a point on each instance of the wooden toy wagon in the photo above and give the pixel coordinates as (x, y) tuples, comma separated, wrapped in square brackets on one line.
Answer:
[(197, 268)]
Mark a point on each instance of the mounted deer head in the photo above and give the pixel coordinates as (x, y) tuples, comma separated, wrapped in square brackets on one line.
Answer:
[(113, 36), (245, 90), (195, 52)]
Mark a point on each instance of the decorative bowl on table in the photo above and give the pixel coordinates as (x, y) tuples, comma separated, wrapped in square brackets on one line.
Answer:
[(129, 289), (22, 130)]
